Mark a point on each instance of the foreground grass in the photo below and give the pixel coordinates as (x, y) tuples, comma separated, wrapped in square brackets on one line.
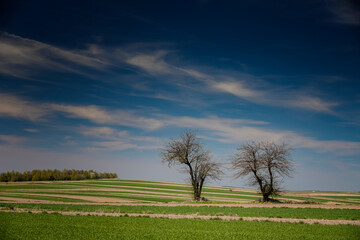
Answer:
[(55, 226), (302, 213)]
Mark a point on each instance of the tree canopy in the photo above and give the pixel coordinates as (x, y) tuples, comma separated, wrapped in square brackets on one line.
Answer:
[(189, 153), (265, 164)]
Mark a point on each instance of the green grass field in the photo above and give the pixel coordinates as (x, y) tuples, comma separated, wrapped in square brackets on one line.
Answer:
[(302, 213), (151, 191), (55, 226), (111, 196)]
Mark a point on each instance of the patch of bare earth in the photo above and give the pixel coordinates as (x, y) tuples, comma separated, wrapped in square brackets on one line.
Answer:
[(195, 216)]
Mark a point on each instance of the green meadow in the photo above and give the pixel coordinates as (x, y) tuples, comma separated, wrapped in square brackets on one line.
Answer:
[(55, 226), (24, 208)]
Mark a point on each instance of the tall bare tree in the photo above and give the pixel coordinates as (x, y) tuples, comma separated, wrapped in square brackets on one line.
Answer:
[(265, 164), (189, 153)]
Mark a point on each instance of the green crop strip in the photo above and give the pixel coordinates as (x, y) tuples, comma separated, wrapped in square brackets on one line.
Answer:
[(187, 189), (153, 194), (35, 186), (206, 193), (48, 198), (55, 226), (303, 213)]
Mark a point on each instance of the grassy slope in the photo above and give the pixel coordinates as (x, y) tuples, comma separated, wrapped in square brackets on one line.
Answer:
[(152, 191)]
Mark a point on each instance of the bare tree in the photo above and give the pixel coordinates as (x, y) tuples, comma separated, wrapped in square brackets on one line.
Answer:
[(266, 164), (188, 152)]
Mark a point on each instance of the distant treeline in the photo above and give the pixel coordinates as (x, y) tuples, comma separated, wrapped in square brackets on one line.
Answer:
[(53, 175)]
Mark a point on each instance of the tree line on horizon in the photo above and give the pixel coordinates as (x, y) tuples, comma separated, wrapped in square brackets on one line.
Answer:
[(53, 175)]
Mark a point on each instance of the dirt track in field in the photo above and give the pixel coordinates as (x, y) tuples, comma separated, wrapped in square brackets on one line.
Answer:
[(195, 216)]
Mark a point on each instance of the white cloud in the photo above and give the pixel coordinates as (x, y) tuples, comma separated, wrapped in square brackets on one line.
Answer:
[(91, 112), (236, 88), (152, 63), (313, 103), (237, 132), (22, 57), (114, 140), (226, 129), (13, 106), (16, 107), (99, 115), (245, 86), (97, 131), (25, 56)]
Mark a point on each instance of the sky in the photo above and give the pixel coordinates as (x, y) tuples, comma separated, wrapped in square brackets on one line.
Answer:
[(104, 85)]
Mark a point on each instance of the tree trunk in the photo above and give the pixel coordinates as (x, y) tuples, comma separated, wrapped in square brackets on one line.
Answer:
[(196, 192), (265, 198)]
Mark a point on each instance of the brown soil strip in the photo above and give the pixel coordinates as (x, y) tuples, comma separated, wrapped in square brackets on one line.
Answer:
[(192, 216)]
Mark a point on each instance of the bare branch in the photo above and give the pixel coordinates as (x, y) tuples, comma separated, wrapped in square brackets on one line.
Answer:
[(266, 164), (188, 151)]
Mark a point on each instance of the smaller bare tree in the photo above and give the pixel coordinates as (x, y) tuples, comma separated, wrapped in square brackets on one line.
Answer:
[(266, 164), (188, 152)]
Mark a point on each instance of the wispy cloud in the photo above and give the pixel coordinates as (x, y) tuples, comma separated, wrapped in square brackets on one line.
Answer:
[(12, 140), (98, 131), (152, 63), (16, 107), (22, 57), (345, 11), (227, 130), (107, 138), (236, 88), (240, 131), (100, 115), (245, 86), (313, 103)]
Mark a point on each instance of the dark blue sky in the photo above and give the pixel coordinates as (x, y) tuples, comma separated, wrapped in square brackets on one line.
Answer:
[(104, 84)]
